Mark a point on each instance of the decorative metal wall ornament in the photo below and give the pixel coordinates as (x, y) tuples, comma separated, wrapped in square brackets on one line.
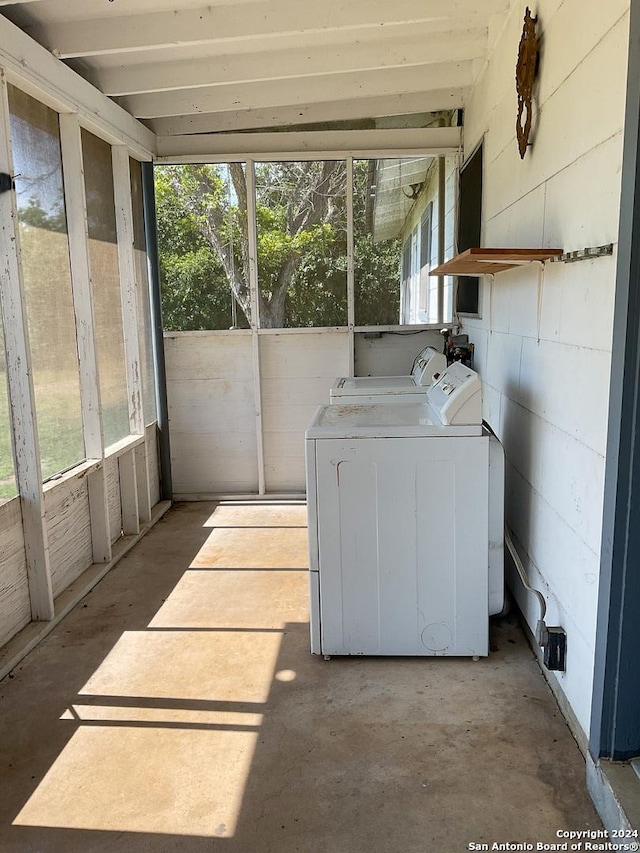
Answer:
[(526, 68)]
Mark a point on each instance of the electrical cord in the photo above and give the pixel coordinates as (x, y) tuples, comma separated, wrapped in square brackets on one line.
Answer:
[(541, 629)]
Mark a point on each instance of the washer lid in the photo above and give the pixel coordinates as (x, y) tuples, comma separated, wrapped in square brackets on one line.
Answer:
[(401, 420), (353, 386)]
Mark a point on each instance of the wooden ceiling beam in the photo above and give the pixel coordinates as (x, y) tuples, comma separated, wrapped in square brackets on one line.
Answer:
[(301, 91), (317, 113), (415, 50), (258, 21), (310, 144)]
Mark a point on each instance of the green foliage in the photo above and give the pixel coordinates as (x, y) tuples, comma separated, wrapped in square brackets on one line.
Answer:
[(302, 248), (35, 216), (377, 292), (195, 290)]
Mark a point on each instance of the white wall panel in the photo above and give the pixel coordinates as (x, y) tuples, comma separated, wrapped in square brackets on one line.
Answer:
[(579, 209), (69, 530), (518, 223), (297, 373), (15, 607), (392, 354), (545, 366), (211, 412), (577, 303), (567, 386)]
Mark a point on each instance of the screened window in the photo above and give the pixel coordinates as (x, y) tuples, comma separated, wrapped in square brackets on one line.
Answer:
[(142, 278), (302, 233), (204, 246), (7, 474), (302, 243), (105, 279), (37, 162), (377, 246)]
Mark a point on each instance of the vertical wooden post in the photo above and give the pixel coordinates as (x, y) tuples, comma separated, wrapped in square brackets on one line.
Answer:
[(21, 394), (131, 323), (351, 297), (442, 189), (129, 493), (255, 319), (129, 286), (142, 482), (74, 187)]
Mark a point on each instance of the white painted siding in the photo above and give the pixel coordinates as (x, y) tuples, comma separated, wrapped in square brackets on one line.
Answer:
[(211, 412), (546, 376), (15, 608), (69, 530), (391, 354), (297, 372), (112, 475), (429, 194)]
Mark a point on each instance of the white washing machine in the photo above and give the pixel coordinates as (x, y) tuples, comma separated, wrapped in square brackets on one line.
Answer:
[(398, 504), (393, 390), (383, 389)]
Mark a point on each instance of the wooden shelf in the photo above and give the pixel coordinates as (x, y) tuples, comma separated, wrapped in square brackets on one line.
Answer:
[(491, 261)]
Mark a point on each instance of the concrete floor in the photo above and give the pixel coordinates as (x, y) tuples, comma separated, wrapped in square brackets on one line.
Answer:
[(178, 709)]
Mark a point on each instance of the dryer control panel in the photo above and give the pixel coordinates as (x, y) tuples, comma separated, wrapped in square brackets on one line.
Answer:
[(426, 363), (456, 395)]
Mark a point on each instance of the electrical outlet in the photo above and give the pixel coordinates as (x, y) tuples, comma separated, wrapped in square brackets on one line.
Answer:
[(555, 649)]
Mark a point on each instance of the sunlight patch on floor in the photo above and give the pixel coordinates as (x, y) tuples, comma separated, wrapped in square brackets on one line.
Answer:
[(257, 548), (132, 779), (260, 515), (235, 599), (162, 735), (227, 666)]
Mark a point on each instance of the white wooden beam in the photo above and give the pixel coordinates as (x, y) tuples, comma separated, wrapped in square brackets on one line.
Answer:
[(351, 307), (75, 195), (32, 68), (254, 285), (230, 147), (20, 384), (325, 111), (390, 52), (387, 82), (253, 21), (129, 285), (143, 485)]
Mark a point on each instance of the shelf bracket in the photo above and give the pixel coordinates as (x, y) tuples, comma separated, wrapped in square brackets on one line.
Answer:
[(583, 254)]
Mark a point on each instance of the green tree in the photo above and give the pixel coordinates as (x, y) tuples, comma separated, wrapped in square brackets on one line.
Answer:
[(195, 288), (301, 246), (205, 208)]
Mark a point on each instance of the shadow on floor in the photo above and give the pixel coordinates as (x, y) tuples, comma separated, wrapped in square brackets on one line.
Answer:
[(178, 709)]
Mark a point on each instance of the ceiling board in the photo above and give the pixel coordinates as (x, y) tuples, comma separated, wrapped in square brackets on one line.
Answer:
[(189, 67)]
